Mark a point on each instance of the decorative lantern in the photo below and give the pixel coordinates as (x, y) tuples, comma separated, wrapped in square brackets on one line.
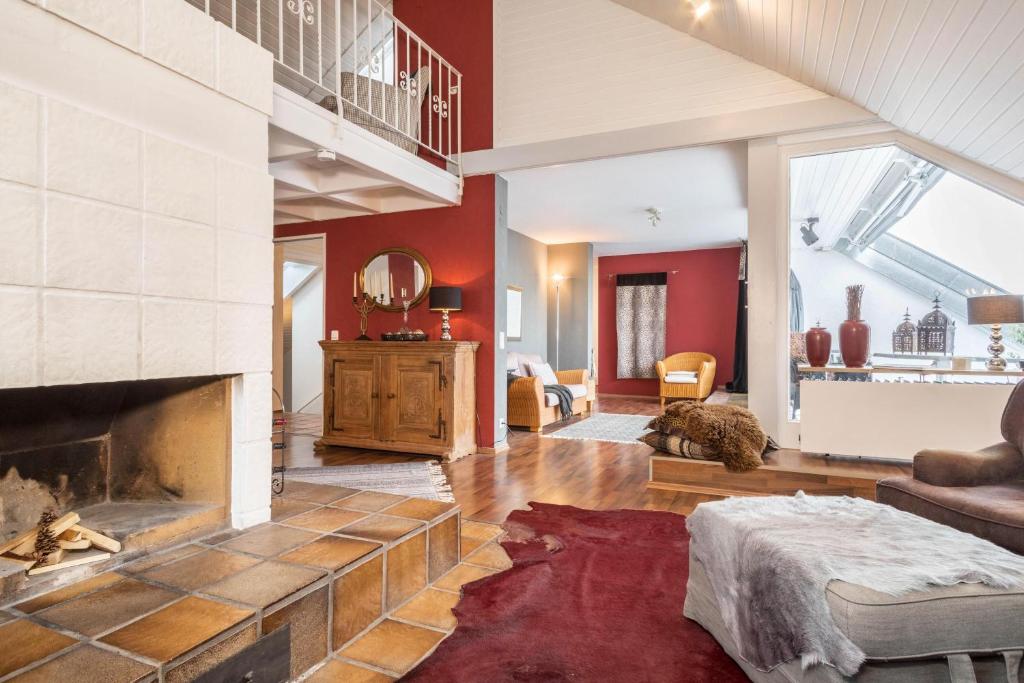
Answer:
[(935, 331), (905, 335)]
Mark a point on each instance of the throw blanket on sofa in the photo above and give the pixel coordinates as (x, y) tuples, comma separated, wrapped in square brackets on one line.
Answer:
[(733, 434), (565, 398), (770, 560)]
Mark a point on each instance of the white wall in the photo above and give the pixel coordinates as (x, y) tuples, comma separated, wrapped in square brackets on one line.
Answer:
[(824, 276), (136, 208), (307, 356), (575, 67)]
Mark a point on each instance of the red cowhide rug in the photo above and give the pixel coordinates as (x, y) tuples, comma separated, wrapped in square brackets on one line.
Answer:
[(592, 596)]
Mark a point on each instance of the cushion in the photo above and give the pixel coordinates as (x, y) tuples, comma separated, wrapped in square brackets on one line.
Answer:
[(680, 379), (578, 391), (681, 373), (544, 371), (919, 623), (677, 446), (518, 362)]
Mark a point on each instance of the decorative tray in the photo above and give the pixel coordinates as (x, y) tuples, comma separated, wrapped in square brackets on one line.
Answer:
[(403, 336)]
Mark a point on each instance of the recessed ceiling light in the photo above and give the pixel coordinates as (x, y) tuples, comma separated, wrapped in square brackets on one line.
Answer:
[(702, 9)]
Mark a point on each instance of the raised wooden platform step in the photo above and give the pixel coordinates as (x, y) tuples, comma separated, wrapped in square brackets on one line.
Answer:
[(784, 473), (335, 565)]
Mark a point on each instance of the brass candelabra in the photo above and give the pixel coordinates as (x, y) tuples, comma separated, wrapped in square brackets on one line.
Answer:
[(364, 305)]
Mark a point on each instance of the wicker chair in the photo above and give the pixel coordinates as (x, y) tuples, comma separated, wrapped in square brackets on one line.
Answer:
[(703, 364), (527, 406)]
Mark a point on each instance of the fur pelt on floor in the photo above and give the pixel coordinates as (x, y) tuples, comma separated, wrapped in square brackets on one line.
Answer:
[(730, 431)]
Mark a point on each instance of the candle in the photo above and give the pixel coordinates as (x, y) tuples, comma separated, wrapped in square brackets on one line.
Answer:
[(391, 291), (355, 278), (403, 292)]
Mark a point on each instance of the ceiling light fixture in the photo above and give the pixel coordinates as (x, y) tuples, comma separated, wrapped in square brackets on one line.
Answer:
[(653, 215), (702, 9)]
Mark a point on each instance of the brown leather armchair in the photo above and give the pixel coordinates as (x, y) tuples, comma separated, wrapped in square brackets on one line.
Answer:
[(979, 492)]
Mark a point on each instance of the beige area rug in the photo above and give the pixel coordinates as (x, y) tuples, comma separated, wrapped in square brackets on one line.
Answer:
[(416, 479)]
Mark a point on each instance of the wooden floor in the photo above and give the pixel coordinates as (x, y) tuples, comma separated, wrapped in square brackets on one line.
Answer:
[(588, 474)]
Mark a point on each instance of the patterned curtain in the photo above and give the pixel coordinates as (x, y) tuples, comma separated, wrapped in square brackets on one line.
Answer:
[(640, 323)]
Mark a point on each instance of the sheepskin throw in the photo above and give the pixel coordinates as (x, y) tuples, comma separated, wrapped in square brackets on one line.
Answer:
[(770, 560), (731, 432)]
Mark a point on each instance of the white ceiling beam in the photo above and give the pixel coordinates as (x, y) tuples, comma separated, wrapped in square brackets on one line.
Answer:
[(330, 178)]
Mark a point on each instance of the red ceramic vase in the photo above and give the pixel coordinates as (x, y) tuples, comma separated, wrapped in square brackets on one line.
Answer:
[(855, 343), (818, 341)]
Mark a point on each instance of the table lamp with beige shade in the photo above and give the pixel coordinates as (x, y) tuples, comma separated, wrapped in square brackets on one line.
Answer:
[(995, 310)]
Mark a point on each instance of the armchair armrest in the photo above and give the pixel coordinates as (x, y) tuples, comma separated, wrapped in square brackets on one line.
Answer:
[(706, 377), (525, 399), (572, 376), (992, 465), (660, 368)]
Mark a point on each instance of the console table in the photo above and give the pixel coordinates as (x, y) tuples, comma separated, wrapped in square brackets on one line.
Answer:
[(412, 397)]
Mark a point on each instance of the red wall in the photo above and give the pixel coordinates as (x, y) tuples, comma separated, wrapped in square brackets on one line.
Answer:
[(458, 243), (701, 313), (461, 31)]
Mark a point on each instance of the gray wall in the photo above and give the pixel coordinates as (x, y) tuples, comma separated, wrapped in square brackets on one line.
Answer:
[(527, 267), (576, 331)]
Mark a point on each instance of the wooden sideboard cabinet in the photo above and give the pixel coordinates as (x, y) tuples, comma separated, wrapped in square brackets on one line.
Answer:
[(413, 397)]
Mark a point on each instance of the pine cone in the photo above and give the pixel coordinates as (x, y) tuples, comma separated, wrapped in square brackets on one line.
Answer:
[(46, 541)]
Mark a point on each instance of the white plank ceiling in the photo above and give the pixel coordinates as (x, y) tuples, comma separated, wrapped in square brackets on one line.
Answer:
[(948, 71)]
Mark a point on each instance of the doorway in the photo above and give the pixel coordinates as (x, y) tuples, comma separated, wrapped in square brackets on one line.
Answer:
[(299, 282)]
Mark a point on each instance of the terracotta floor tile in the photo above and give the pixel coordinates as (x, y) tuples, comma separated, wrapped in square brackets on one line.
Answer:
[(381, 528), (102, 610), (492, 556), (25, 642), (270, 540), (176, 629), (444, 547), (370, 501), (407, 569), (330, 552), (393, 646), (358, 600), (480, 530), (460, 576), (325, 519), (283, 508), (264, 584), (469, 545), (73, 591), (431, 608), (315, 493), (337, 671), (158, 559), (201, 569), (87, 664), (192, 668), (420, 508), (307, 618)]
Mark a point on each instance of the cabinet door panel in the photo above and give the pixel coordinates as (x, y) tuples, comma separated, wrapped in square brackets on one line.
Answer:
[(417, 410), (354, 410)]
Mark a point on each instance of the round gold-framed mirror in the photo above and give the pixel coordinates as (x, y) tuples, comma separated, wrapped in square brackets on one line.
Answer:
[(395, 275)]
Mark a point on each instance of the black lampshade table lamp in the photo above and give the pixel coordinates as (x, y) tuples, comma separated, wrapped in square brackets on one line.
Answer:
[(445, 299), (995, 310)]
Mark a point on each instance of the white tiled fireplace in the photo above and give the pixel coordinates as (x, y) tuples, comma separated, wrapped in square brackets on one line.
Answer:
[(136, 209)]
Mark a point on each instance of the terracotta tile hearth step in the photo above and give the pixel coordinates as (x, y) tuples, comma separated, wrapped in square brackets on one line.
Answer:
[(88, 664), (177, 629), (349, 582)]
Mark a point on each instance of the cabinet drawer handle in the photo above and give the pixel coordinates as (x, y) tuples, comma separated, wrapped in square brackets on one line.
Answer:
[(390, 395), (375, 395)]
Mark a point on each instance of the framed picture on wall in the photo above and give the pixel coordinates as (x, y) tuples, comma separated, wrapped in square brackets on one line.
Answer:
[(514, 312)]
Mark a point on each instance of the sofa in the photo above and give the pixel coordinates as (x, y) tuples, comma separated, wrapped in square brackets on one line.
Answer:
[(529, 406), (697, 387), (980, 492)]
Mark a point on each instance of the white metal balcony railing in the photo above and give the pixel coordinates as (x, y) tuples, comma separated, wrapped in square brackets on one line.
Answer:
[(354, 55)]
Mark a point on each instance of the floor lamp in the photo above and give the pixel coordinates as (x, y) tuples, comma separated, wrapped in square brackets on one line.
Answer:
[(557, 277)]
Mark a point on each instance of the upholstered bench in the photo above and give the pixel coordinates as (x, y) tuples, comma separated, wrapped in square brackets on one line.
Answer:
[(935, 635)]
